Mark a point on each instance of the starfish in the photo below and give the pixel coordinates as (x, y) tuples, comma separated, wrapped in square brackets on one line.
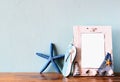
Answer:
[(108, 62), (51, 59)]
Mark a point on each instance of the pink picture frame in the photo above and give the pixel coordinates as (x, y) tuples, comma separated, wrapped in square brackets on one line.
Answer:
[(87, 64)]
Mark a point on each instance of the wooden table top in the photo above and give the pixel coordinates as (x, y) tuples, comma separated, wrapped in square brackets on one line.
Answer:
[(52, 77)]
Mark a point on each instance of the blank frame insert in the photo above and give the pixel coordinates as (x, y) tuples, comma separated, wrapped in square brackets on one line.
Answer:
[(92, 50)]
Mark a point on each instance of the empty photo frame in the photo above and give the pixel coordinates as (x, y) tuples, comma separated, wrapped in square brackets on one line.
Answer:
[(94, 50)]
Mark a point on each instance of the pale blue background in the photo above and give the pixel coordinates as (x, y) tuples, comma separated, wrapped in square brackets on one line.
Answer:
[(28, 26)]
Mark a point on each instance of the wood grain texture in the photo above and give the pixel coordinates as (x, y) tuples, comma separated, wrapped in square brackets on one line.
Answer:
[(53, 77)]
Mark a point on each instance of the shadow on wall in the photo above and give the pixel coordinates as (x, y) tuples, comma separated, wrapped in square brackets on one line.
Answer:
[(116, 48)]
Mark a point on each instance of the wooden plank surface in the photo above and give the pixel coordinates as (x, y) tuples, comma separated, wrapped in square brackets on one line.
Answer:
[(52, 77)]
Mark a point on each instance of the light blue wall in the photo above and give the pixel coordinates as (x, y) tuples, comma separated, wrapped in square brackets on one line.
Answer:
[(28, 26)]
